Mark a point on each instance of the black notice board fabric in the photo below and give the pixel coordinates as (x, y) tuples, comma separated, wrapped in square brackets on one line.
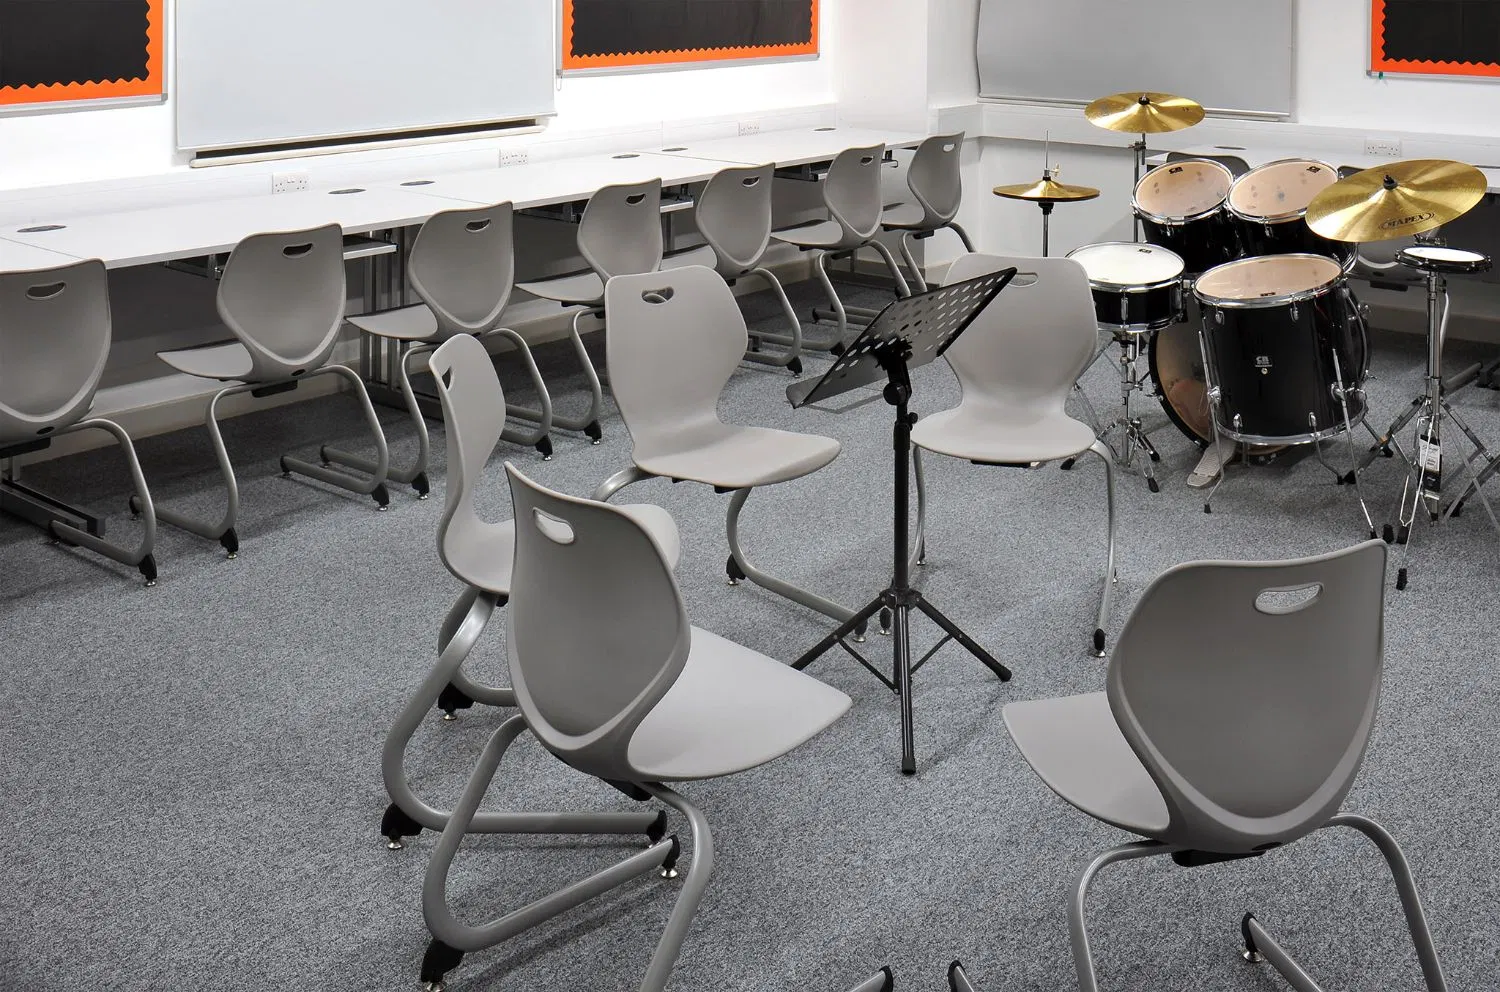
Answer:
[(56, 42), (1442, 31), (620, 27)]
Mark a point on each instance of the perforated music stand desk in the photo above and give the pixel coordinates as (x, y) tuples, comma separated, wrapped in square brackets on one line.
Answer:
[(905, 335)]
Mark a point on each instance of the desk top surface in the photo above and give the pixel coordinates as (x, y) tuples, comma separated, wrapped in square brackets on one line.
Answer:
[(563, 180), (15, 257), (798, 146), (158, 234)]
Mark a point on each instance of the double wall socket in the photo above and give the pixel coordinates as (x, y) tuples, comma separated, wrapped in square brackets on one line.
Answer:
[(749, 127), (514, 156), (288, 182), (1384, 147)]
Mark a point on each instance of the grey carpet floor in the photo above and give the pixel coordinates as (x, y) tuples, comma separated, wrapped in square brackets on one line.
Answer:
[(191, 783)]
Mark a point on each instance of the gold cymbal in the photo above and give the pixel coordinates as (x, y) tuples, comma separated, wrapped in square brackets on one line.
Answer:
[(1391, 201), (1047, 190), (1144, 113)]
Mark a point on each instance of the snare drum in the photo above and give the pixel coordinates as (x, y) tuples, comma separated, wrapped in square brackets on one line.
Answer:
[(1446, 261), (1137, 288), (1281, 332), (1269, 210), (1181, 207)]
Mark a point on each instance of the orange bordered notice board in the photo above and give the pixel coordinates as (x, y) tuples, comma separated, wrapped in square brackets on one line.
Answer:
[(1435, 37), (59, 51), (609, 34)]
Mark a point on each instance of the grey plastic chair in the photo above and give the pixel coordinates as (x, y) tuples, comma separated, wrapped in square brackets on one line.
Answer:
[(55, 332), (936, 184), (1016, 365), (634, 696), (283, 296), (462, 267), (734, 216), (1238, 708), (671, 408), (479, 554), (851, 192), (619, 234)]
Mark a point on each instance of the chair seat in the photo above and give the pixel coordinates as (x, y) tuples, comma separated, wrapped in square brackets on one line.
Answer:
[(731, 709), (904, 217), (981, 435), (576, 287), (413, 323), (734, 457), (487, 564), (819, 234), (225, 362), (1076, 748), (703, 255)]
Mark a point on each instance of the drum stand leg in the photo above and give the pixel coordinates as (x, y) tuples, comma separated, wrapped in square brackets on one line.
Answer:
[(1133, 435), (1343, 393)]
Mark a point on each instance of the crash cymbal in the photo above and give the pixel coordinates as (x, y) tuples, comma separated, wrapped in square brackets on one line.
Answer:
[(1144, 113), (1391, 201), (1047, 190)]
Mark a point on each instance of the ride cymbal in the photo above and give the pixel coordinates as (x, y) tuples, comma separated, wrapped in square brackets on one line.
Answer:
[(1047, 190), (1144, 113), (1392, 201)]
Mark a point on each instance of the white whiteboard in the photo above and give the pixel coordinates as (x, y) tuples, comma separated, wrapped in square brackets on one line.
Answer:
[(257, 72), (1229, 55)]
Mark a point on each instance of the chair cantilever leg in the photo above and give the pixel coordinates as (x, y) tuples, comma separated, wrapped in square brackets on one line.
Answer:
[(625, 477), (958, 978), (539, 437), (589, 423), (962, 236), (142, 555), (739, 568), (223, 531), (1083, 955), (902, 289), (699, 872), (917, 278), (451, 937), (792, 358), (415, 475), (841, 315), (1106, 598), (374, 486), (1260, 945)]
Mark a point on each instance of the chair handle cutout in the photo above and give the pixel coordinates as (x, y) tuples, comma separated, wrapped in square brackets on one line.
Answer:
[(657, 295), (750, 181), (554, 529), (1024, 280), (1282, 600), (49, 291), (866, 159), (475, 226), (635, 198), (297, 251), (950, 146)]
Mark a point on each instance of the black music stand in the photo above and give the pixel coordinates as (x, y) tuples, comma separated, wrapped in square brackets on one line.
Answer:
[(905, 335)]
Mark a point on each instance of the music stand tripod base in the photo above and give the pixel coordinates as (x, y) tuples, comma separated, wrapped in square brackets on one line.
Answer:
[(908, 333)]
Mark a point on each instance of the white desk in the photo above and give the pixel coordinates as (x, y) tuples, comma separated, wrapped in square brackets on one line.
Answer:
[(800, 146), (15, 257), (189, 230), (545, 183)]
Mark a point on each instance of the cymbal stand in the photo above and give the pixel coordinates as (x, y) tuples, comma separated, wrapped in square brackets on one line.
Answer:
[(1139, 151)]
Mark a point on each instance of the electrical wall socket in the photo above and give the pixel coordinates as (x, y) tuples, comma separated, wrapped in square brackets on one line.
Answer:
[(514, 156), (288, 182), (1384, 147), (749, 127)]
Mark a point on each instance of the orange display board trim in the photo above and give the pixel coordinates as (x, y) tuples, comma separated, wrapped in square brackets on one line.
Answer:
[(151, 85), (1379, 63), (678, 57)]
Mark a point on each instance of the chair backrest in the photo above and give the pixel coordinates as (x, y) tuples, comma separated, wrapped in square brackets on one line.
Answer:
[(54, 340), (1032, 342), (620, 232), (851, 191), (463, 267), (935, 179), (473, 416), (1248, 690), (598, 632), (283, 296), (734, 217), (672, 341)]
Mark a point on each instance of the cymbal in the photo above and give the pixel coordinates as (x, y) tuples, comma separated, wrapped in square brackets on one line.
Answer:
[(1047, 190), (1144, 113), (1391, 201)]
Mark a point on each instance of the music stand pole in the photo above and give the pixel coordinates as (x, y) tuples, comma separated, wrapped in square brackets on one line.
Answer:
[(882, 348)]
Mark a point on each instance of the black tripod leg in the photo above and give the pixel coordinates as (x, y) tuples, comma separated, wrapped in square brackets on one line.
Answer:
[(840, 632), (970, 645), (901, 669)]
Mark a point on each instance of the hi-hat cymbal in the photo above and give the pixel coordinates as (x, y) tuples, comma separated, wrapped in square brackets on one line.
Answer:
[(1144, 113), (1391, 201), (1047, 190)]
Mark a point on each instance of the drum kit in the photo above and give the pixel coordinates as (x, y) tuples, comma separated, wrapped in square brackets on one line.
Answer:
[(1275, 352)]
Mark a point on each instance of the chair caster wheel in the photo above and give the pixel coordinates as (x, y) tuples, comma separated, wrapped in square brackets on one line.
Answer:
[(1153, 485), (734, 572), (437, 962), (382, 497), (230, 542), (147, 569), (396, 824), (545, 447), (1389, 534), (1401, 579), (1099, 642), (794, 366), (1068, 463), (453, 698), (595, 432), (422, 485)]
